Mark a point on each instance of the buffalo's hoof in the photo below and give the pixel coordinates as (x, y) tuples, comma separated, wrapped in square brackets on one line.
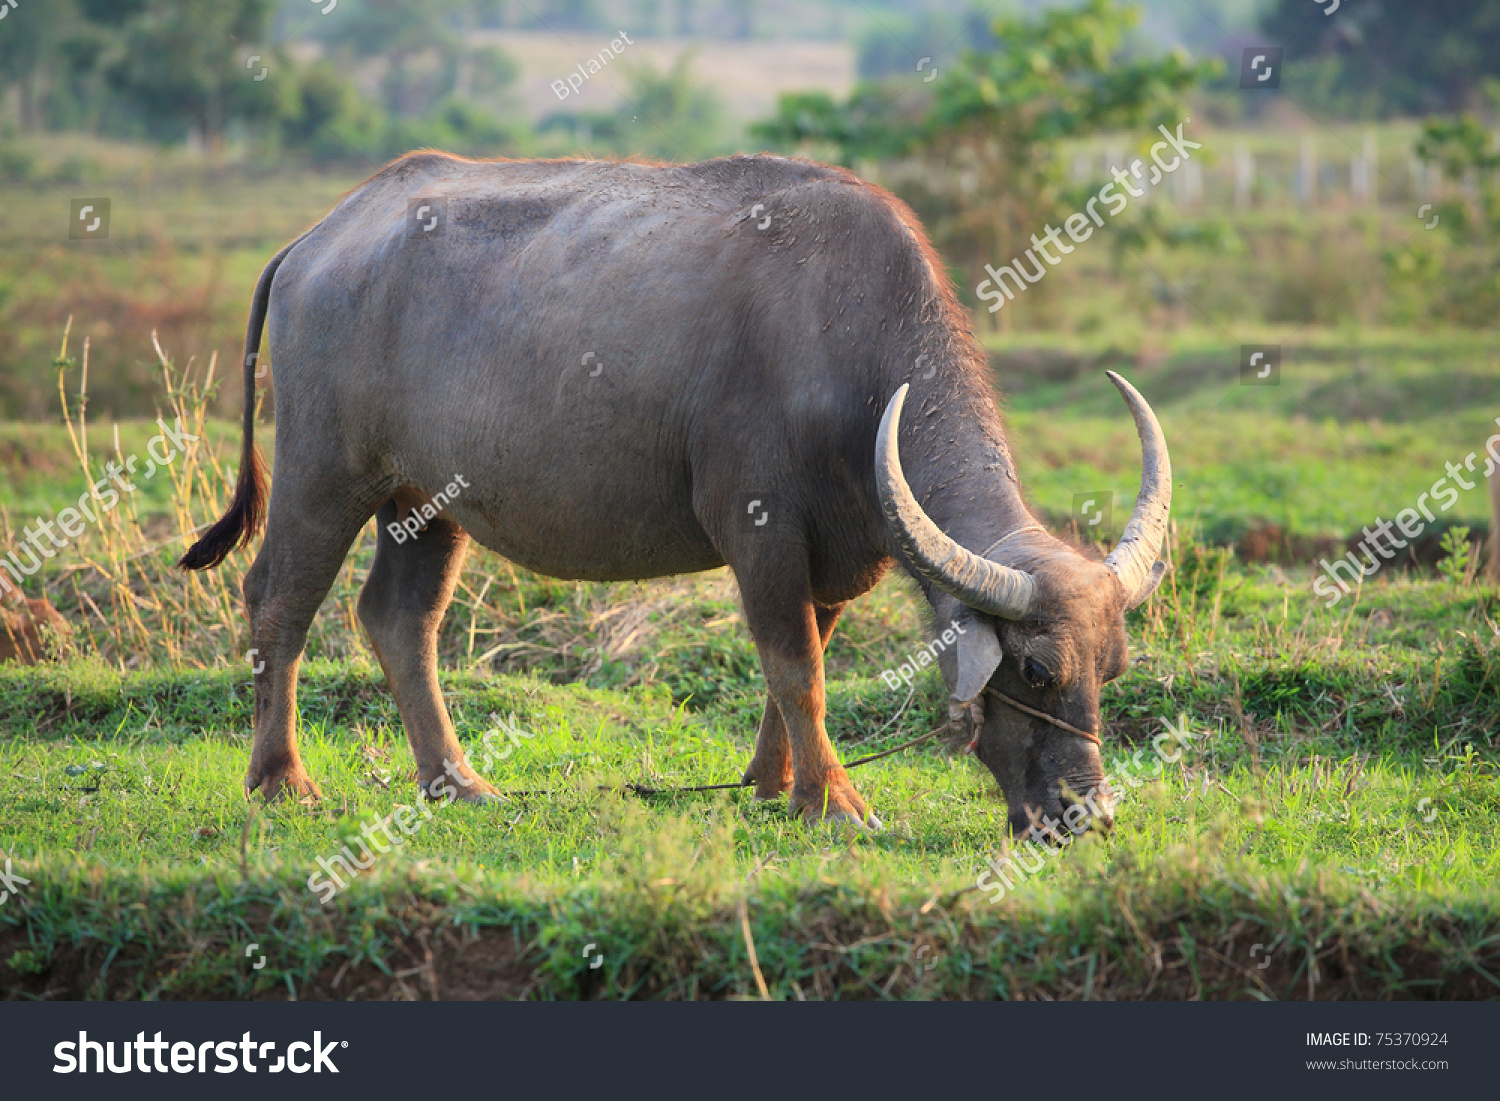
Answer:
[(775, 782), (478, 792), (285, 783), (871, 824), (837, 802)]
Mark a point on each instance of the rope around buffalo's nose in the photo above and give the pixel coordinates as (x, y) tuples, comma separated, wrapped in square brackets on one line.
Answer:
[(642, 789), (1069, 727)]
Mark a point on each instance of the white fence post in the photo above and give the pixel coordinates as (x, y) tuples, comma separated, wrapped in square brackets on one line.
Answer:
[(1307, 170), (1362, 171)]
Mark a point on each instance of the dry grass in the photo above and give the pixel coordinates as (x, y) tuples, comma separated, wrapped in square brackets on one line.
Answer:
[(116, 583), (133, 608)]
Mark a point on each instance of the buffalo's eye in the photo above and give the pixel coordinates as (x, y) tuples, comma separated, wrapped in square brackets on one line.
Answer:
[(1037, 675)]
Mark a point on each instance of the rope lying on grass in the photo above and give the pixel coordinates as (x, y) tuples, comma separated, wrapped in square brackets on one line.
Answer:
[(645, 790)]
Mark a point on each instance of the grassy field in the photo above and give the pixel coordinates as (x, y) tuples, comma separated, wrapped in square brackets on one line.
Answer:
[(1330, 830), (1334, 810)]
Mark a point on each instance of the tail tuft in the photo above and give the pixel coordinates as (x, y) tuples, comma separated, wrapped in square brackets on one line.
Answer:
[(243, 521)]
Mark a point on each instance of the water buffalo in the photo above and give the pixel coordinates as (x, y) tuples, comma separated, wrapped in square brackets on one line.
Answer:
[(642, 370)]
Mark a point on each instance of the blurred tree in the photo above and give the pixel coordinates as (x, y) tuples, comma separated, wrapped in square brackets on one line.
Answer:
[(893, 44), (412, 39), (186, 63), (1388, 58), (646, 18), (666, 115), (34, 53), (160, 68), (489, 14), (422, 60), (661, 114), (493, 70), (321, 112), (974, 150), (1459, 265), (1460, 147), (383, 28), (457, 127)]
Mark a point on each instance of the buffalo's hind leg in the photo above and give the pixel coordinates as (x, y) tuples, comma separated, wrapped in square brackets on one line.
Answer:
[(402, 606), (771, 767), (309, 531)]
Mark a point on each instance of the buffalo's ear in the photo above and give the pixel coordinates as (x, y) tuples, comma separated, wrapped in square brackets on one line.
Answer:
[(979, 655)]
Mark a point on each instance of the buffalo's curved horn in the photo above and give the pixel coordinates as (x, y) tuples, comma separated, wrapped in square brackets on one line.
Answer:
[(1134, 556), (979, 583)]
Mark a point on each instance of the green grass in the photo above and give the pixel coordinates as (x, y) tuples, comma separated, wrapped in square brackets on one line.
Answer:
[(1340, 787), (1356, 429), (663, 924), (155, 767)]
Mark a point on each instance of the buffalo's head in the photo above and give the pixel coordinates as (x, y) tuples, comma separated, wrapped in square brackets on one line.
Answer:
[(1039, 627)]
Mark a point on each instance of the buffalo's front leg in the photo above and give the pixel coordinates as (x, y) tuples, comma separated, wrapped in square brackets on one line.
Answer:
[(784, 621), (771, 767)]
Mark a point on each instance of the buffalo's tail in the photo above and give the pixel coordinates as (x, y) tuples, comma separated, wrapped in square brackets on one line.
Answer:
[(247, 512)]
